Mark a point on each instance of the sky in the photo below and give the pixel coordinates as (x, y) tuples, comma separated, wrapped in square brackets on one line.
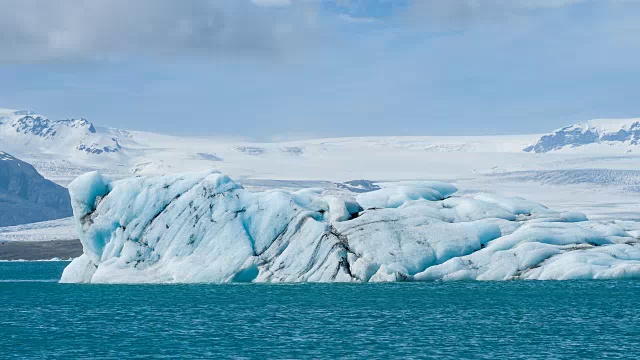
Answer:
[(287, 69)]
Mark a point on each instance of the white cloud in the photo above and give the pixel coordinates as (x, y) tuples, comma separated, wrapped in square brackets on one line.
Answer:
[(63, 30), (35, 30)]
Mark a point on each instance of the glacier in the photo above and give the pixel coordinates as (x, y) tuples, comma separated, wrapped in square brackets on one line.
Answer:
[(203, 227)]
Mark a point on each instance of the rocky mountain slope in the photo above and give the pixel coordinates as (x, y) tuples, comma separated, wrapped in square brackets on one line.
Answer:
[(26, 196), (26, 131)]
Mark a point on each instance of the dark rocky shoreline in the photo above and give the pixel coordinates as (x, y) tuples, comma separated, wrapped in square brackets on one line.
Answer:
[(39, 250)]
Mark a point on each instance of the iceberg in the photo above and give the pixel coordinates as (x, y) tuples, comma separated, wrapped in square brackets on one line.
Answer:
[(203, 227)]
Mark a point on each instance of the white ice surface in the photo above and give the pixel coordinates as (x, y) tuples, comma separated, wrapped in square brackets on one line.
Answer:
[(203, 227), (62, 229)]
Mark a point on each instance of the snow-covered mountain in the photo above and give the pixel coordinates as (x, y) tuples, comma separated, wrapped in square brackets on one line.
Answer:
[(58, 150), (26, 197), (618, 133), (64, 149), (26, 131)]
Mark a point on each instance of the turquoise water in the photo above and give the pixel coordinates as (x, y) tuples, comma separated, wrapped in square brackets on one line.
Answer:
[(528, 320)]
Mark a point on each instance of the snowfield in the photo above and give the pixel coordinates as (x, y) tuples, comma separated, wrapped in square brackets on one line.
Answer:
[(203, 227), (64, 149), (52, 230), (590, 167)]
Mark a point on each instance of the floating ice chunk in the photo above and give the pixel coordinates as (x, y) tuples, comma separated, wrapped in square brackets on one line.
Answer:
[(80, 270), (203, 227)]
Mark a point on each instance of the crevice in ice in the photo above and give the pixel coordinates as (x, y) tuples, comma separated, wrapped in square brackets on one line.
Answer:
[(314, 257), (344, 265), (343, 243)]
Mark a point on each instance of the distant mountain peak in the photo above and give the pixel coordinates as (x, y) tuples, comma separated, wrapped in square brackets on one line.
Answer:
[(600, 131), (78, 123), (21, 130), (41, 126)]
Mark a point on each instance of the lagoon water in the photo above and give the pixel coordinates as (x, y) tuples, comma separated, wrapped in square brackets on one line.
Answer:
[(40, 318)]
